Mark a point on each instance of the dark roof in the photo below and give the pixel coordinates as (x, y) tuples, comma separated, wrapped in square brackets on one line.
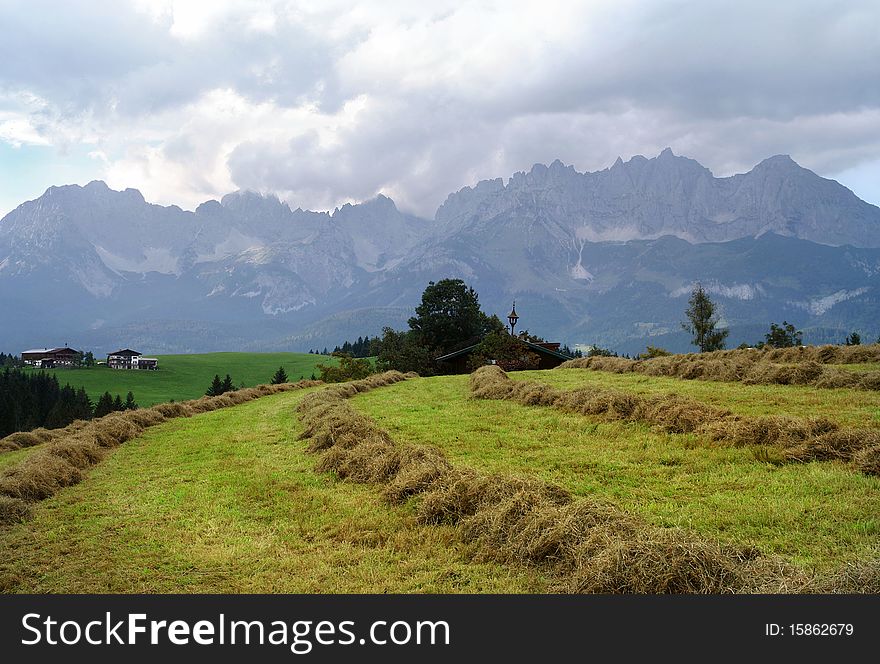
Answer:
[(125, 351), (55, 351), (535, 347)]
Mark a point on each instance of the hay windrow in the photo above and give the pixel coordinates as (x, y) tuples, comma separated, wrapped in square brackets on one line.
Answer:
[(803, 365), (853, 578), (867, 460), (586, 545), (13, 510), (64, 454), (798, 440)]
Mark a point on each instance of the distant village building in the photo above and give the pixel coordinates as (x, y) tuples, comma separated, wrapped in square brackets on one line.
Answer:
[(47, 358), (127, 358)]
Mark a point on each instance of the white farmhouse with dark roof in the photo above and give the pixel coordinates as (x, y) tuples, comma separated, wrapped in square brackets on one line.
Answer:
[(126, 358)]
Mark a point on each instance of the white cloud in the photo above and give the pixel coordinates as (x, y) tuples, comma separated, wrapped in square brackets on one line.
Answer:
[(329, 101)]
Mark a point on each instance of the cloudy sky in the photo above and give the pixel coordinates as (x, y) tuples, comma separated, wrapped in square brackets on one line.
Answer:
[(323, 101)]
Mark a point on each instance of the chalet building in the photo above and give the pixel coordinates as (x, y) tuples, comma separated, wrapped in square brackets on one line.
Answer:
[(458, 362), (127, 358), (47, 358)]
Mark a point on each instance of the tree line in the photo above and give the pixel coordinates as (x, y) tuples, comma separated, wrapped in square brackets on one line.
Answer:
[(29, 400), (222, 386)]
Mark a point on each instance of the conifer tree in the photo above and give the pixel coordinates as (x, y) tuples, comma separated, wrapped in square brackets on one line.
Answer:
[(279, 377), (130, 403), (227, 384), (104, 405), (84, 407), (216, 388)]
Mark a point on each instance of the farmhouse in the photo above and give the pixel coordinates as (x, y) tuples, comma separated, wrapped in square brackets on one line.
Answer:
[(47, 358), (126, 358), (458, 362)]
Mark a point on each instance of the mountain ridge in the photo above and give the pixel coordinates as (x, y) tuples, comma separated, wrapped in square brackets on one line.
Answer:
[(586, 251)]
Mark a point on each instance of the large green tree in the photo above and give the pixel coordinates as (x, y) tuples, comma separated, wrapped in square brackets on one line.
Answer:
[(403, 351), (702, 321), (449, 316)]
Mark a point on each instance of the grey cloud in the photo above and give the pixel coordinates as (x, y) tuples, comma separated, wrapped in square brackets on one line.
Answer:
[(725, 83)]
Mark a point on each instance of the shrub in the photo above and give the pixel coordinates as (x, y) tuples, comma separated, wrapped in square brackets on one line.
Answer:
[(349, 368)]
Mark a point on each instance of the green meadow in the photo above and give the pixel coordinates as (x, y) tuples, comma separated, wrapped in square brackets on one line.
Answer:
[(230, 501), (181, 377), (817, 515)]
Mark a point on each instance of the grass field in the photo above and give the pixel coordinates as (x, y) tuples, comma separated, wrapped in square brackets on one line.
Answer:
[(818, 515), (188, 376), (861, 368), (228, 501), (851, 407)]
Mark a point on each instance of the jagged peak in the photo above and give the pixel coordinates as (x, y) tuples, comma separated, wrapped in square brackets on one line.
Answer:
[(778, 161), (380, 202), (245, 195), (208, 205)]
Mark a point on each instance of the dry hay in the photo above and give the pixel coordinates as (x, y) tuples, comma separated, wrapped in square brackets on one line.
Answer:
[(861, 577), (655, 561), (171, 410), (867, 460), (19, 440), (780, 366), (419, 468), (775, 430), (870, 381), (842, 444), (673, 413), (13, 510), (79, 452), (38, 477), (65, 453)]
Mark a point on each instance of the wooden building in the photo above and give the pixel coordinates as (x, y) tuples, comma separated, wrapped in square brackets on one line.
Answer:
[(458, 362), (47, 358)]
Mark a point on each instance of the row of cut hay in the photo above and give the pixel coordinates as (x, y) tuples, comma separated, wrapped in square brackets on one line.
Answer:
[(825, 354), (750, 368), (63, 457), (796, 439), (21, 439), (588, 546)]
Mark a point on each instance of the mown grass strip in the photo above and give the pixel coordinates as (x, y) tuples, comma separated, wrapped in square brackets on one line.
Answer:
[(64, 455), (228, 502), (586, 545), (776, 439)]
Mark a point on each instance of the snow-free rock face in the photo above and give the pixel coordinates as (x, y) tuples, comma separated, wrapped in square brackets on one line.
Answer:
[(594, 257), (670, 195)]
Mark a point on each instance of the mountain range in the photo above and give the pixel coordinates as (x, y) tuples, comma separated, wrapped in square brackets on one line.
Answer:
[(607, 257)]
